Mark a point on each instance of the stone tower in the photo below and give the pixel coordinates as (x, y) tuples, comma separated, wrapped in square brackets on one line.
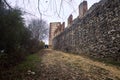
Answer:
[(83, 7), (55, 29), (59, 29)]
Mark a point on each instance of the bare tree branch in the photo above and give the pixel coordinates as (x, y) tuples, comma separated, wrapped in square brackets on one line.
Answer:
[(39, 9), (7, 4)]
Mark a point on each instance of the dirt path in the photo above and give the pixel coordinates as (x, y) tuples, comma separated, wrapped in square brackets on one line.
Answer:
[(58, 65)]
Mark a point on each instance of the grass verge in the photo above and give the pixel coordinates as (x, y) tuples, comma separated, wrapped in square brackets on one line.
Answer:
[(106, 61), (23, 70)]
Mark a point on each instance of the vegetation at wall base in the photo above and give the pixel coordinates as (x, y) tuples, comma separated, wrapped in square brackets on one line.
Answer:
[(103, 60), (16, 41), (106, 61)]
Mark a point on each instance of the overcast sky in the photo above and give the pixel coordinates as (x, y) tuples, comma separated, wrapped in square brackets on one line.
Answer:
[(52, 10)]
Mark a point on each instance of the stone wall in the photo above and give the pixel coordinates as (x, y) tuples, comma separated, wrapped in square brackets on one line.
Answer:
[(97, 34)]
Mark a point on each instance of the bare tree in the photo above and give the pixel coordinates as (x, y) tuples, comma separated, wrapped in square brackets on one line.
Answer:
[(39, 29)]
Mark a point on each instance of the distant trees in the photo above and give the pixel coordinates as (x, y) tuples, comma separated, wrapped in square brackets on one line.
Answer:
[(16, 40), (39, 31), (38, 28)]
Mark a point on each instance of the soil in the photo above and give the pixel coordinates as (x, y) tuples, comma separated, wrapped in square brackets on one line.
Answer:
[(56, 65)]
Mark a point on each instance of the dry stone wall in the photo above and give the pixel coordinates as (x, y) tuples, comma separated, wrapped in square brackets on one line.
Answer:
[(96, 34)]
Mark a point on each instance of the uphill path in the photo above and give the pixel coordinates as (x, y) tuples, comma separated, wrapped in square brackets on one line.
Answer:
[(57, 65)]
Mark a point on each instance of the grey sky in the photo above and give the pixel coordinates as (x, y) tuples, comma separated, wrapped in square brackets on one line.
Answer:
[(50, 9)]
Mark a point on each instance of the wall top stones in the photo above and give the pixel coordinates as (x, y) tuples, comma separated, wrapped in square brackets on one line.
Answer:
[(83, 7), (70, 20)]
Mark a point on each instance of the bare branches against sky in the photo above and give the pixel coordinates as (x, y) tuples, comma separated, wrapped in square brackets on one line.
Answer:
[(50, 10)]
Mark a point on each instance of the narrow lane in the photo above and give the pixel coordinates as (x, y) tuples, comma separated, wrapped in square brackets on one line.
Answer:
[(58, 65)]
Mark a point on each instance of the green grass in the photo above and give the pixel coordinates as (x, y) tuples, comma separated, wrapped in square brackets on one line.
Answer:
[(30, 63), (20, 71)]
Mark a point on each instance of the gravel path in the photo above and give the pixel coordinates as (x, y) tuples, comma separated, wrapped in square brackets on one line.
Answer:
[(58, 65)]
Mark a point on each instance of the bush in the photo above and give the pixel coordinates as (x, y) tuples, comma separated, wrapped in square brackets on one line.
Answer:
[(41, 45), (16, 39)]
